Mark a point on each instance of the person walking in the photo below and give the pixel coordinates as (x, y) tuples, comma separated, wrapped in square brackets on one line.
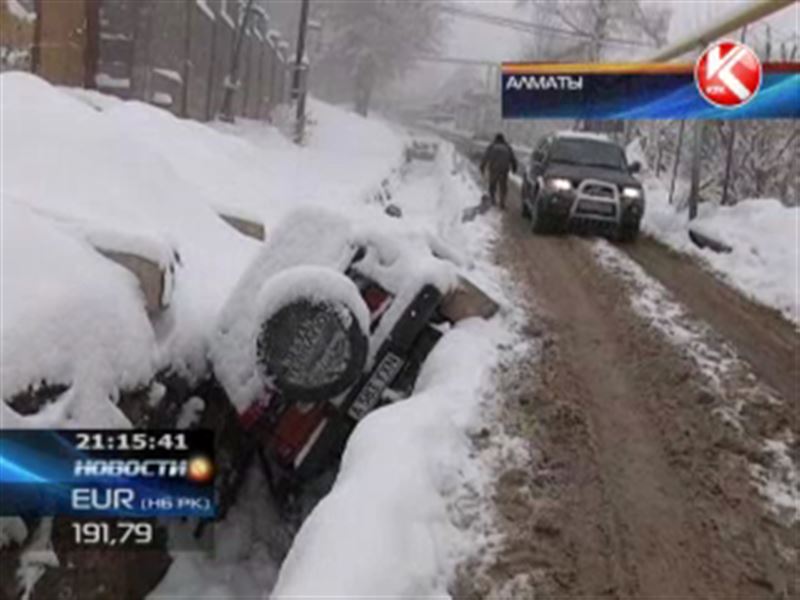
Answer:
[(499, 159)]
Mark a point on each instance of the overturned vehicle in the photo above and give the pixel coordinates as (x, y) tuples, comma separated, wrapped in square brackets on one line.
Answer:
[(328, 323)]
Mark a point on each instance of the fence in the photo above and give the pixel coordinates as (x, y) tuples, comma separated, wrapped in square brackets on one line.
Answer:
[(175, 54)]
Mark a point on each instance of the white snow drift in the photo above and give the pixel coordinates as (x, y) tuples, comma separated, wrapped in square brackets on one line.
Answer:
[(83, 168), (764, 234)]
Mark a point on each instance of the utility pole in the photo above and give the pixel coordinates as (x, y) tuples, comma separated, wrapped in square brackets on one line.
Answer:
[(186, 73), (232, 80), (298, 85)]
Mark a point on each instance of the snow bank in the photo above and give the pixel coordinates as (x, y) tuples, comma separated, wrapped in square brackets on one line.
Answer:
[(82, 170), (70, 317), (764, 234), (345, 161), (385, 529)]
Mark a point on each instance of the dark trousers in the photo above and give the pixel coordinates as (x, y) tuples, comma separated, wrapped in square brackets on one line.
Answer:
[(498, 179)]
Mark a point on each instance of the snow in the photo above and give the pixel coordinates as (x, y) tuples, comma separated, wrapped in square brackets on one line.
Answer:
[(384, 530), (203, 5), (242, 564), (223, 12), (36, 557), (93, 98), (169, 74), (121, 37), (765, 261), (777, 482), (162, 98), (656, 305), (114, 83), (780, 484), (398, 528), (132, 177), (190, 413), (105, 344), (582, 135), (20, 12), (315, 284), (12, 531)]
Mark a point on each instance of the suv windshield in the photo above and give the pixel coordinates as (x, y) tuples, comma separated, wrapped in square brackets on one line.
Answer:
[(588, 153)]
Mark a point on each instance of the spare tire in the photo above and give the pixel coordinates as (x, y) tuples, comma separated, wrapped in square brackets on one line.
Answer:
[(312, 349)]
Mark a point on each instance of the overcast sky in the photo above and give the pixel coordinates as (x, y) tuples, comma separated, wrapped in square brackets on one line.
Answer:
[(467, 38)]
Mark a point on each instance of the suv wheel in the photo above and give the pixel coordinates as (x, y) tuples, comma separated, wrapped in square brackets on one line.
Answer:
[(539, 223), (628, 233), (313, 347)]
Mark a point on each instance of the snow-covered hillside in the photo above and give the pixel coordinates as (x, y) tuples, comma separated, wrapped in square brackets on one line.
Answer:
[(764, 263)]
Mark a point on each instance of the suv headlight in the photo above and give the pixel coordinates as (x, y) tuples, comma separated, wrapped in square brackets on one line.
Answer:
[(631, 193), (559, 184)]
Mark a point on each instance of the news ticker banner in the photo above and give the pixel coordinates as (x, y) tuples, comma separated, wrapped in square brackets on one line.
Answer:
[(107, 473), (727, 82)]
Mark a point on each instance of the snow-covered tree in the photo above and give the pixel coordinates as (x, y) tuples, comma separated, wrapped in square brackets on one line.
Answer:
[(377, 41)]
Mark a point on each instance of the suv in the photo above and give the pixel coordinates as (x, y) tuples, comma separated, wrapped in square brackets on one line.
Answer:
[(316, 336), (584, 181)]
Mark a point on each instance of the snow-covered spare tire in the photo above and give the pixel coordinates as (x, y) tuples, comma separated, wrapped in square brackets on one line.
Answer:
[(312, 343)]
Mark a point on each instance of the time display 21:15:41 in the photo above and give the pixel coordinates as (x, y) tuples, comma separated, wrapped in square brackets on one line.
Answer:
[(123, 441)]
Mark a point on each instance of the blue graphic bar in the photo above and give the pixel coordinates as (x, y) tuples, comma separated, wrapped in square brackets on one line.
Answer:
[(637, 91), (107, 473)]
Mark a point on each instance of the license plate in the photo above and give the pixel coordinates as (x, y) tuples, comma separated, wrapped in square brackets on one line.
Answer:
[(597, 208), (381, 377)]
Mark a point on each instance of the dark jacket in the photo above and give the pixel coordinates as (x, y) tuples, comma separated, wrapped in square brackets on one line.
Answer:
[(499, 157)]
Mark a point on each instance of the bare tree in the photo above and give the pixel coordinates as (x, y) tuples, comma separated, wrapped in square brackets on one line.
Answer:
[(598, 26)]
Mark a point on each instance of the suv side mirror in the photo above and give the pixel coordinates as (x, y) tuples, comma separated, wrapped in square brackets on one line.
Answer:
[(634, 167)]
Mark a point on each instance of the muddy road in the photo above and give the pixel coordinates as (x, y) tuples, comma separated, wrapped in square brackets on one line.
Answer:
[(641, 482)]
